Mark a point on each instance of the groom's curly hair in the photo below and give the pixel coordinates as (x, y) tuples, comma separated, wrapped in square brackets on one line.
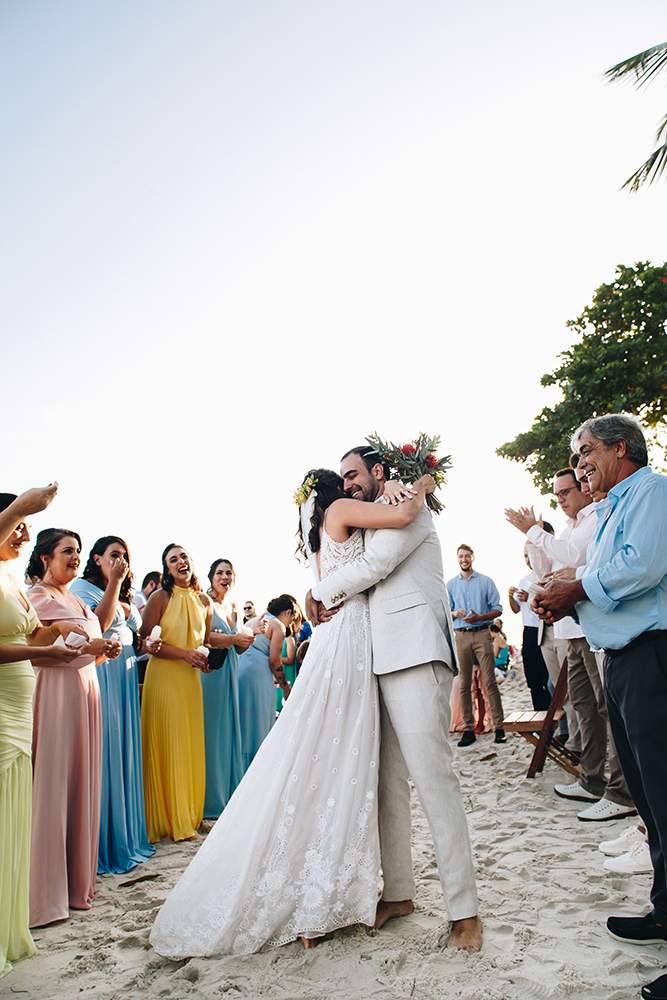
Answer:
[(329, 487)]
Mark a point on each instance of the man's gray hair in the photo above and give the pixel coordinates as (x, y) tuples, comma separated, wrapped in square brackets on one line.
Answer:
[(612, 428)]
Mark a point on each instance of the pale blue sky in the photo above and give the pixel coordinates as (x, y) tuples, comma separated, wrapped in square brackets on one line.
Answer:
[(237, 237)]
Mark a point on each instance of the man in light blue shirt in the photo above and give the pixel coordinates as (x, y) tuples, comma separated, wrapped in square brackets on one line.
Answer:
[(475, 602), (621, 601)]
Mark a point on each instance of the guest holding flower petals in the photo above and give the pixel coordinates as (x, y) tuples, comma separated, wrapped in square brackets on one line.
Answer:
[(106, 589), (172, 714), (220, 689), (67, 745), (22, 640)]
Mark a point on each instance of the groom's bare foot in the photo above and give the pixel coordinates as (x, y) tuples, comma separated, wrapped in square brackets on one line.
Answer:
[(388, 909), (466, 934)]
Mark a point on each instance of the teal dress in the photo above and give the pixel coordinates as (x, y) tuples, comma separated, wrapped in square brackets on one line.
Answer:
[(123, 838), (291, 670), (222, 726), (257, 699)]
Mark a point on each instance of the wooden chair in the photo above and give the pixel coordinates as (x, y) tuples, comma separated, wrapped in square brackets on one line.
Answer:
[(538, 728)]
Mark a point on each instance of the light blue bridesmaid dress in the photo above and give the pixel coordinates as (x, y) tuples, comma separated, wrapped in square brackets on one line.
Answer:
[(257, 698), (222, 726), (123, 837)]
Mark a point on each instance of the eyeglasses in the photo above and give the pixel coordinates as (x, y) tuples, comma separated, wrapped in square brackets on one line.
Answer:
[(563, 493)]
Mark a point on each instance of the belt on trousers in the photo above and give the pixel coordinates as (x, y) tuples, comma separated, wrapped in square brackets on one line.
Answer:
[(639, 641), (474, 628)]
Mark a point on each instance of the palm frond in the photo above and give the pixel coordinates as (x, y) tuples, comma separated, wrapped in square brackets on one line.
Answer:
[(643, 66), (651, 170)]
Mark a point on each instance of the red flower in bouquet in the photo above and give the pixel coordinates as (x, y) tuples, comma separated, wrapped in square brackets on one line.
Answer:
[(414, 459)]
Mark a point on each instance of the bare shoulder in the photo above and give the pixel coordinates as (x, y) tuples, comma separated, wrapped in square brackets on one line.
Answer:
[(204, 598), (158, 601)]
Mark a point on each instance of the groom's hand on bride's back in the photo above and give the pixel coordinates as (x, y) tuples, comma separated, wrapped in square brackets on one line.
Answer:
[(316, 613)]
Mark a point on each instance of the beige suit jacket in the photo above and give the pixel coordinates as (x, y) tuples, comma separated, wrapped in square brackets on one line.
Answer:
[(411, 620)]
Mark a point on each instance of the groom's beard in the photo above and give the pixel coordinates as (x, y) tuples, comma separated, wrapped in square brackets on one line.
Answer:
[(366, 492)]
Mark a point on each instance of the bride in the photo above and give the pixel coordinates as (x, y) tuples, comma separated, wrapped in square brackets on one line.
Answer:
[(295, 854)]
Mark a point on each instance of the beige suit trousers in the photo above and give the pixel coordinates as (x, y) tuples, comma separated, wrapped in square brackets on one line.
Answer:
[(414, 722)]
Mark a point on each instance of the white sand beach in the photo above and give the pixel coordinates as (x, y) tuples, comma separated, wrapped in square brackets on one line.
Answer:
[(544, 898)]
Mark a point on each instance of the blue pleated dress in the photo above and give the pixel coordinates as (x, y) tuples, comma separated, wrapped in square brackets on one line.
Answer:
[(123, 838), (222, 726), (257, 697)]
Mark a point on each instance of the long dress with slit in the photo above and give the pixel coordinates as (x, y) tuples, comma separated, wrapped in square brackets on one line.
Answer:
[(67, 760), (17, 683), (172, 726), (222, 725), (123, 838), (296, 852)]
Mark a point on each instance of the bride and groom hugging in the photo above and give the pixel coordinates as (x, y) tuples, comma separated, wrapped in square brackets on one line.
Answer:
[(325, 804)]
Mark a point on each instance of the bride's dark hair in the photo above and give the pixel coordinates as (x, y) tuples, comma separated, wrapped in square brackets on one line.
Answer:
[(328, 487)]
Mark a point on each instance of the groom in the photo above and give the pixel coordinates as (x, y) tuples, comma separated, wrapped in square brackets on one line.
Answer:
[(414, 658)]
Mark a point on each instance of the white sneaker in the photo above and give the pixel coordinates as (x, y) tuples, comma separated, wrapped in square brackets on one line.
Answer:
[(575, 791), (605, 809), (631, 835), (636, 862)]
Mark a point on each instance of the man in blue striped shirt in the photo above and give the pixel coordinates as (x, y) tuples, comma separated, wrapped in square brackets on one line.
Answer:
[(621, 601)]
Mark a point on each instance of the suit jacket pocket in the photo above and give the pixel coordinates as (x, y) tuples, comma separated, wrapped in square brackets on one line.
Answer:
[(393, 604)]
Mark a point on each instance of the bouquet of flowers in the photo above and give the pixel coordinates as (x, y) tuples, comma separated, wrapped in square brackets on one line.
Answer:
[(412, 460)]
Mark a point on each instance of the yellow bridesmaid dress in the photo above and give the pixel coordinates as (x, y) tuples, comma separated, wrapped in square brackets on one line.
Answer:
[(17, 682), (172, 726)]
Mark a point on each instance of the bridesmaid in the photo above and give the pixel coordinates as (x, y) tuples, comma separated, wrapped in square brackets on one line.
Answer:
[(220, 689), (257, 670), (22, 639), (172, 714), (105, 588), (67, 745), (288, 656)]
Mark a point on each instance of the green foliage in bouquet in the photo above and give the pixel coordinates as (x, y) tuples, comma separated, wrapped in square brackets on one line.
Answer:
[(414, 459)]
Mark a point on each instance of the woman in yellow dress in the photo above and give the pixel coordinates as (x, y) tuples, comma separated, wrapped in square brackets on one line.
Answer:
[(22, 639), (172, 713)]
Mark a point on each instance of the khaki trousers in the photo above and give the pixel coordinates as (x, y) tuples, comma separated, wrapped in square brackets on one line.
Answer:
[(476, 647), (554, 652)]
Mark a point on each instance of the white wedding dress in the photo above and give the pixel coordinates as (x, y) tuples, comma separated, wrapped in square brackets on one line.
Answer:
[(296, 851)]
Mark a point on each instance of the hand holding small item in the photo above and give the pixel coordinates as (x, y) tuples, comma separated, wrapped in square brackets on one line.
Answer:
[(154, 640)]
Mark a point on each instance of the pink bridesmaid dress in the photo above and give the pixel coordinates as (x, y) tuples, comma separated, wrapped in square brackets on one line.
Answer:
[(67, 760)]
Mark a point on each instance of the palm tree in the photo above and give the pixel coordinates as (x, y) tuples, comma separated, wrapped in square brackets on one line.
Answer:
[(643, 68)]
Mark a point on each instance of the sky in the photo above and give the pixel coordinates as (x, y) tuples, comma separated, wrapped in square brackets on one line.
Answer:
[(239, 236)]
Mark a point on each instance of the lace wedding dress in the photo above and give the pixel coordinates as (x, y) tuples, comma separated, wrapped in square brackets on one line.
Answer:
[(296, 850)]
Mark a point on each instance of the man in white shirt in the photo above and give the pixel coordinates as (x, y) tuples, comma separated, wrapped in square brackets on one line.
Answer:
[(534, 666), (585, 687)]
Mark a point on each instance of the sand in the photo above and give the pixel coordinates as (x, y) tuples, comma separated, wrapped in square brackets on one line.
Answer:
[(544, 898)]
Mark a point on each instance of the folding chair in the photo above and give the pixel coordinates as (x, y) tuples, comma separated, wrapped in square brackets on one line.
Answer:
[(538, 728)]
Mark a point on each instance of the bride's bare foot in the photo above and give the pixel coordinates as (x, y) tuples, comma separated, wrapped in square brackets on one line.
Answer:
[(388, 909), (313, 942), (466, 934)]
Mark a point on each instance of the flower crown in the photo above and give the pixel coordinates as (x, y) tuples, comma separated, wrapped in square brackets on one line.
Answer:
[(304, 491)]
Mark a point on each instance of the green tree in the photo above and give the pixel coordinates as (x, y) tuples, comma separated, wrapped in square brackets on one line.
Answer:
[(619, 364), (643, 68)]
